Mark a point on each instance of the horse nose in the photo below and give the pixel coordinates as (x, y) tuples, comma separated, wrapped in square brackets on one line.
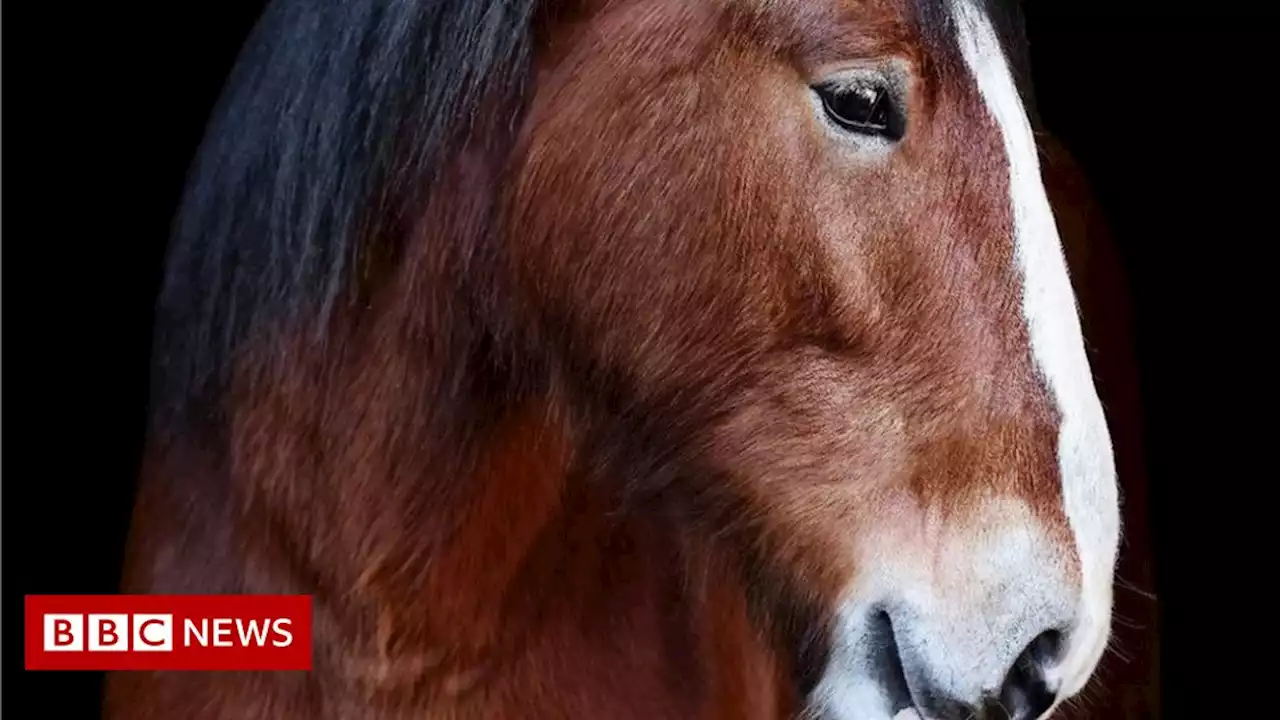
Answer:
[(1024, 696)]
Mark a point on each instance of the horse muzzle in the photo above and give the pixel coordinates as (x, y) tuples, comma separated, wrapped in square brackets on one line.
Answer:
[(1025, 694)]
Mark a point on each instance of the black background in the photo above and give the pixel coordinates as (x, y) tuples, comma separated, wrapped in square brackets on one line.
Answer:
[(1165, 107)]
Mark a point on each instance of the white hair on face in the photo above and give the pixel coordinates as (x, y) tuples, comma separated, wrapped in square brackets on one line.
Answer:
[(850, 688), (1085, 460)]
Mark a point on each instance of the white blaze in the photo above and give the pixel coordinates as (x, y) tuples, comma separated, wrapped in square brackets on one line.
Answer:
[(1089, 492), (964, 640)]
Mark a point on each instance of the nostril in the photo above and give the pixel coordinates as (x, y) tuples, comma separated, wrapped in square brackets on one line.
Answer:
[(1025, 693), (1046, 649), (1026, 698)]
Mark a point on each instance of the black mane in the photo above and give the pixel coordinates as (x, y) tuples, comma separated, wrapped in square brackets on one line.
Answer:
[(326, 139)]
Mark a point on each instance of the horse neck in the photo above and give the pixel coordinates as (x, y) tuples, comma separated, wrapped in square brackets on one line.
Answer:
[(451, 547)]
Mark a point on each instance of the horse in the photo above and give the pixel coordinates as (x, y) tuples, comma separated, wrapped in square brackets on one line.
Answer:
[(629, 359)]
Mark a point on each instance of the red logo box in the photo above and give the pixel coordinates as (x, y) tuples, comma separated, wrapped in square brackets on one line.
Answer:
[(168, 632)]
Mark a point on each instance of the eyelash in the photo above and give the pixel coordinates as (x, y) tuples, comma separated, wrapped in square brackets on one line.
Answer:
[(866, 109)]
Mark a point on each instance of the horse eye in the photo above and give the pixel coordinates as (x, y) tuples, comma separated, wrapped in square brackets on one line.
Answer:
[(863, 109)]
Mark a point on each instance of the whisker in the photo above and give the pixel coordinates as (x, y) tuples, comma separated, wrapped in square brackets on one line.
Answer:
[(1130, 623), (1115, 650), (1122, 583)]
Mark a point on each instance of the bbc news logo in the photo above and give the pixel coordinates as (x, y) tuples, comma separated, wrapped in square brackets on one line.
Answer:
[(144, 632), (111, 632), (168, 632)]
